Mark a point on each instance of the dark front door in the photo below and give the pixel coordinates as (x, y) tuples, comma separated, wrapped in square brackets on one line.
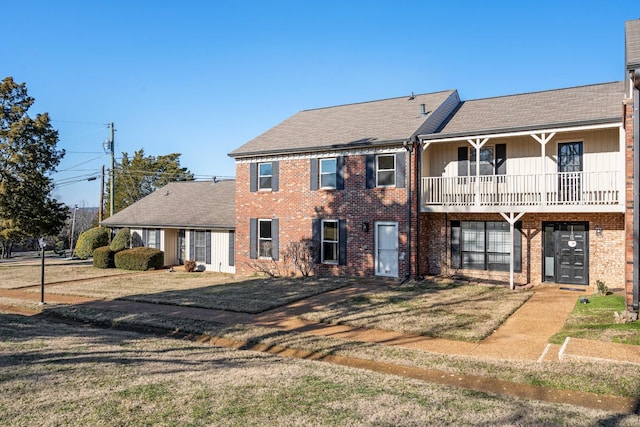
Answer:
[(566, 252), (570, 171)]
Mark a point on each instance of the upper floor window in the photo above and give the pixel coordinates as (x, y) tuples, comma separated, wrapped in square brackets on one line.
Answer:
[(386, 170), (328, 173), (492, 160), (265, 176)]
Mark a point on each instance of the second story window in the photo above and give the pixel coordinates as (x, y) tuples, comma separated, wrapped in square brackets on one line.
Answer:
[(386, 170), (265, 176), (328, 173)]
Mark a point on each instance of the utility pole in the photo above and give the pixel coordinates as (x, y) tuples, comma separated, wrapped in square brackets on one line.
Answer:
[(101, 210), (113, 171)]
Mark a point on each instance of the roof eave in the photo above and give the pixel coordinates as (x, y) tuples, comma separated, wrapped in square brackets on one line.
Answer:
[(324, 148), (520, 129)]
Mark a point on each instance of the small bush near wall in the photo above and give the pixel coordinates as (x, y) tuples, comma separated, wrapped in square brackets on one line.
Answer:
[(90, 240), (189, 266), (103, 257), (122, 240), (139, 259)]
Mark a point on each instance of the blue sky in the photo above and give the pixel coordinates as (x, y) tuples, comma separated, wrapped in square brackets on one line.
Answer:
[(203, 77)]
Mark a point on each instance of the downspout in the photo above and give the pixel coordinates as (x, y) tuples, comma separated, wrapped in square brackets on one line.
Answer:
[(418, 204), (636, 186)]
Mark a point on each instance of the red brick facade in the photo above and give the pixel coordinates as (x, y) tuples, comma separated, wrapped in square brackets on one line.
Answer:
[(629, 215), (606, 251), (295, 205)]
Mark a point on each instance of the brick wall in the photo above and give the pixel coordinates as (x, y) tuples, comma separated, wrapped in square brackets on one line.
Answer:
[(629, 212), (606, 252), (295, 206)]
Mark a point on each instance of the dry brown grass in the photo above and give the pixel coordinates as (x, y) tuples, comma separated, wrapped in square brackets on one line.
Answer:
[(67, 375), (437, 309), (29, 274)]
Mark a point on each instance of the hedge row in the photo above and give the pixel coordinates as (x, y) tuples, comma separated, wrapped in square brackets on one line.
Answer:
[(90, 240), (140, 259)]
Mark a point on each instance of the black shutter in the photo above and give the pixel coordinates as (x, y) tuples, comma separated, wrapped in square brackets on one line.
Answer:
[(274, 179), (207, 257), (192, 245), (253, 177), (517, 247), (455, 244), (275, 241), (501, 159), (316, 234), (463, 161), (253, 238), (342, 242), (400, 169), (371, 171), (340, 173), (313, 168), (232, 248)]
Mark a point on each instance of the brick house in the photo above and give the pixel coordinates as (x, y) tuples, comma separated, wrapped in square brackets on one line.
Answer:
[(340, 178), (632, 127), (526, 188)]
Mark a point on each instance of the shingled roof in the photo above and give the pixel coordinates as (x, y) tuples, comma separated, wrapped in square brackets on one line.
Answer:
[(632, 44), (186, 204), (577, 106), (363, 124)]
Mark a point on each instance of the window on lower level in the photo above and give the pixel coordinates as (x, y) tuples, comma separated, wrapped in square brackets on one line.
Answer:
[(485, 245), (330, 240)]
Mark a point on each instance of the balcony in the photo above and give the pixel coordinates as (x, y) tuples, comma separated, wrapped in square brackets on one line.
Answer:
[(600, 191)]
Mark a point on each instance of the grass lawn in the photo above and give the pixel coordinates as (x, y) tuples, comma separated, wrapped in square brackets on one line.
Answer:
[(437, 309), (17, 276), (595, 321), (58, 374)]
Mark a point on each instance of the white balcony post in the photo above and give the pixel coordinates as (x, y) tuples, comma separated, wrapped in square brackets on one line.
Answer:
[(477, 144), (512, 218), (543, 138)]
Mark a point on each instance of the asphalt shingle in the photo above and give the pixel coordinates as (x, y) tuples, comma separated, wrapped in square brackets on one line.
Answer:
[(601, 103), (186, 204)]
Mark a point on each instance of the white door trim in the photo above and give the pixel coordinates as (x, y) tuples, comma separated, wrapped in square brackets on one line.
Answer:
[(392, 267)]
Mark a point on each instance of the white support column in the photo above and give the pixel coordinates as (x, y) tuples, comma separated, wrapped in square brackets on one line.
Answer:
[(512, 218), (543, 138), (477, 144), (621, 182)]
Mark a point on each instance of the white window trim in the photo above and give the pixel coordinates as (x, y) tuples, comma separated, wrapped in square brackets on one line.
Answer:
[(260, 176), (472, 152), (203, 246), (337, 241), (386, 170), (261, 239), (335, 173)]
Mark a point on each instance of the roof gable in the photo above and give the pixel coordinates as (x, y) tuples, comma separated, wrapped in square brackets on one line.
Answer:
[(632, 44), (367, 123), (185, 204)]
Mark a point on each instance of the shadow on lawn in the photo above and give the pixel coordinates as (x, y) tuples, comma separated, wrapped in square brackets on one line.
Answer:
[(250, 296)]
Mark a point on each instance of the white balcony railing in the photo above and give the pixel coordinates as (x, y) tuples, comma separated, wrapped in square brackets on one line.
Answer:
[(566, 188)]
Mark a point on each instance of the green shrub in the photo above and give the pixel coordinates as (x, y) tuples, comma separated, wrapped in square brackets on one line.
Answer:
[(139, 259), (122, 240), (103, 257), (90, 240)]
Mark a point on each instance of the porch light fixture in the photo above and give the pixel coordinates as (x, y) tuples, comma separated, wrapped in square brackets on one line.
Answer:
[(598, 231), (365, 227)]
